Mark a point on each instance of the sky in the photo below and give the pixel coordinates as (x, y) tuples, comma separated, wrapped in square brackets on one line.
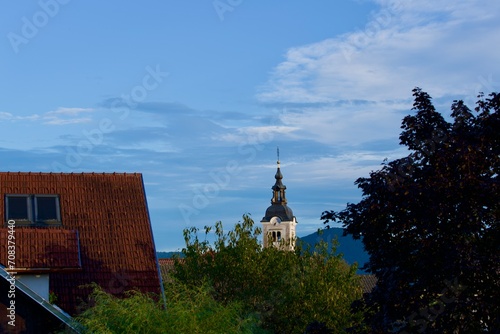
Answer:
[(198, 95)]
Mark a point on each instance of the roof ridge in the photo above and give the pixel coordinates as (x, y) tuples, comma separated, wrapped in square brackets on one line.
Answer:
[(70, 173)]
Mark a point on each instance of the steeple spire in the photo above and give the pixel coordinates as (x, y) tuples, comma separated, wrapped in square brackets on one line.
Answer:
[(278, 188)]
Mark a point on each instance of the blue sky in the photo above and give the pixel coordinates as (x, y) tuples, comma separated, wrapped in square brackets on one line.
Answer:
[(197, 95)]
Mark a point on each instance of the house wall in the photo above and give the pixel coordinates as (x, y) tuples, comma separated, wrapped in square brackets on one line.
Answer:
[(37, 283), (27, 315)]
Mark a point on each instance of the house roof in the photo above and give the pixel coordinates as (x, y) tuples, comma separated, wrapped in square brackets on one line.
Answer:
[(109, 213), (43, 250), (166, 266), (368, 282)]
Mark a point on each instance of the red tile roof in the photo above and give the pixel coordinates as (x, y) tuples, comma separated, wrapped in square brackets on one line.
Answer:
[(41, 249), (368, 282), (166, 266), (110, 214)]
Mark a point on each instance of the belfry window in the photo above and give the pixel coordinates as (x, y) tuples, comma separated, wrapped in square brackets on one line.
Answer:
[(276, 235), (33, 209)]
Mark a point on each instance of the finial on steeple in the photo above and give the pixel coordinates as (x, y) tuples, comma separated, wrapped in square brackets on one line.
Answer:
[(278, 153)]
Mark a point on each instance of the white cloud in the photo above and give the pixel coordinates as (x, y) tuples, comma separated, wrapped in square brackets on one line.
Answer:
[(6, 115), (347, 125), (60, 116), (255, 134), (441, 46), (10, 117), (345, 168), (157, 146), (59, 121), (69, 111), (65, 116), (352, 91)]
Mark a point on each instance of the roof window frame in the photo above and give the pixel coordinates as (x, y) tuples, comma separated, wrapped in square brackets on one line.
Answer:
[(33, 210)]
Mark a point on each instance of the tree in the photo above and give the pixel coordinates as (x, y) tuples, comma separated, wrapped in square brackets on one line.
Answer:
[(188, 311), (429, 222), (286, 291)]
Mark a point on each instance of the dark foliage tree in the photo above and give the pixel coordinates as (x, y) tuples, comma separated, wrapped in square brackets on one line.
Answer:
[(429, 222)]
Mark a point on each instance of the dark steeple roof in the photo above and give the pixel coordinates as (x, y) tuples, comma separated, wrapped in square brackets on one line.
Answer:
[(278, 206), (278, 188)]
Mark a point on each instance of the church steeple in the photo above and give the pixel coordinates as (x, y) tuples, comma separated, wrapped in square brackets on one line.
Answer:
[(278, 188), (279, 221)]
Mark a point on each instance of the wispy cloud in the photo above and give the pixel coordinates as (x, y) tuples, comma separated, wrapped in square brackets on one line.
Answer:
[(434, 44), (59, 121), (60, 116), (351, 92), (10, 117), (65, 116), (69, 111), (255, 134), (345, 167)]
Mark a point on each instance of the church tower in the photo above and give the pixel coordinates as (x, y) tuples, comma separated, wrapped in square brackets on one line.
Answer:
[(278, 225)]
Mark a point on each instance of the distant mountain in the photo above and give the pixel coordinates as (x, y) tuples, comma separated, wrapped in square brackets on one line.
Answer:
[(352, 250), (168, 255)]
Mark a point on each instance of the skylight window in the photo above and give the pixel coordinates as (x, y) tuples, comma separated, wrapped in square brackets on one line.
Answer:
[(46, 208), (33, 209), (18, 208)]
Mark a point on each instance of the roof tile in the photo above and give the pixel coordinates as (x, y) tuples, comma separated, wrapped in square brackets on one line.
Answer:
[(40, 248), (110, 214)]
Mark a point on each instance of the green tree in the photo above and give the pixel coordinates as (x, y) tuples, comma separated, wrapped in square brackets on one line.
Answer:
[(189, 310), (285, 290), (429, 222)]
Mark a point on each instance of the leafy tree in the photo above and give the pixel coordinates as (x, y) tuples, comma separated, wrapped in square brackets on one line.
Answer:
[(194, 310), (134, 314), (188, 311), (285, 290), (430, 223)]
